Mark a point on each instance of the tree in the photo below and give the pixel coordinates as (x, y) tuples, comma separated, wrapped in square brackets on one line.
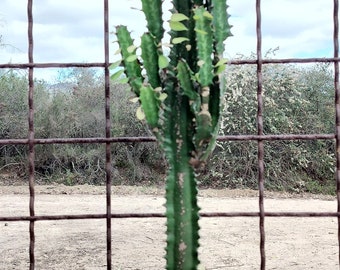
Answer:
[(76, 110)]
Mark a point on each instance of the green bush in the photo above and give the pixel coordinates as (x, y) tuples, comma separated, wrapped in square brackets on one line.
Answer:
[(297, 100), (72, 109), (13, 115)]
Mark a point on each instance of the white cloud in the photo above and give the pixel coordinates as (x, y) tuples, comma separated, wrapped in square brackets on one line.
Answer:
[(300, 28), (72, 30)]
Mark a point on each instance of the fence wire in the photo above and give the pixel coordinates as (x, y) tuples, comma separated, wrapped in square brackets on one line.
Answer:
[(31, 141)]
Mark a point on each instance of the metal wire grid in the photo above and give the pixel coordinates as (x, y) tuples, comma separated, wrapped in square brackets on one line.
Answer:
[(31, 141)]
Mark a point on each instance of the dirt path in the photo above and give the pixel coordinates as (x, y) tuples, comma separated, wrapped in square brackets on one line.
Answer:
[(226, 243)]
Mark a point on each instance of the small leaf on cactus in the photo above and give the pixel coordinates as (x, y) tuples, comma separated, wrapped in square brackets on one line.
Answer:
[(178, 17)]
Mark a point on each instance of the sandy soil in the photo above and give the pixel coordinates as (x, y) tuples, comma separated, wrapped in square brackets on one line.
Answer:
[(226, 243)]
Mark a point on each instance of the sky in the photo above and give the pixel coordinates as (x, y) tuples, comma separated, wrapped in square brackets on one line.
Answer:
[(72, 30)]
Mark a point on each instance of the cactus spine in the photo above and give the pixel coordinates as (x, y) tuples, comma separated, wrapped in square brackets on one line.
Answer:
[(180, 98)]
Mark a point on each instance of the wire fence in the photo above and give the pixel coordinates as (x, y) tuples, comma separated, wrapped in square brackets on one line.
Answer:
[(260, 138)]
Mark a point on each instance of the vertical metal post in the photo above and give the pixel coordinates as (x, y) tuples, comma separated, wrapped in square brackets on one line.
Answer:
[(260, 144), (31, 132), (337, 108), (108, 135)]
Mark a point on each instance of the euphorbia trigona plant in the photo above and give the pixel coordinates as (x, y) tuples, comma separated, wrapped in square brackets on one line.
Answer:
[(180, 96)]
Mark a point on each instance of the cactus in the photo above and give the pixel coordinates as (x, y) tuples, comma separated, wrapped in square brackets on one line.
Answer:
[(180, 97)]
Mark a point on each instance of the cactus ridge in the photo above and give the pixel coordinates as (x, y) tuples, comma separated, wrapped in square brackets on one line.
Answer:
[(180, 96), (221, 25), (150, 59), (150, 105), (204, 39), (185, 78), (153, 14), (132, 68)]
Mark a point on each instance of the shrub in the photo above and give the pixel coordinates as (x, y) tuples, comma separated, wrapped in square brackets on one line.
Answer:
[(297, 100)]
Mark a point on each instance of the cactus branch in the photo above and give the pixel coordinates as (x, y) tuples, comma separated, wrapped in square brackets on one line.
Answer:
[(153, 14), (132, 68), (150, 59)]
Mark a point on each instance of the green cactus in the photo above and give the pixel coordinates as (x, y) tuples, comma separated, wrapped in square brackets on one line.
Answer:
[(180, 98)]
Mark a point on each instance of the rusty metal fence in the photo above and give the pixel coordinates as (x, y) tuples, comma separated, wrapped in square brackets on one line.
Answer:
[(260, 138)]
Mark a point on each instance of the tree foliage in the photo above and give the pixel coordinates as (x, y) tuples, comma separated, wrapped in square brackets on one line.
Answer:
[(72, 109), (297, 100)]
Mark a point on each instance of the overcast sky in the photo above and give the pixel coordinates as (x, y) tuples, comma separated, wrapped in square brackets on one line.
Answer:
[(72, 30)]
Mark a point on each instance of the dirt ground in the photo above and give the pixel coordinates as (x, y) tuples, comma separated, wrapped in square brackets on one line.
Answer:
[(226, 243)]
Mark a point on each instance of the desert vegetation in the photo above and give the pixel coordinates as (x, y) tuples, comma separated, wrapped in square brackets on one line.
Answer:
[(298, 99)]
